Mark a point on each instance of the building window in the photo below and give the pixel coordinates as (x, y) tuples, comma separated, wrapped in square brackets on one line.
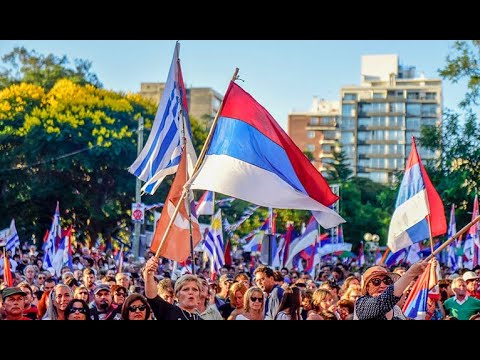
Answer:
[(311, 148), (311, 134), (378, 95), (350, 97), (348, 110), (314, 121)]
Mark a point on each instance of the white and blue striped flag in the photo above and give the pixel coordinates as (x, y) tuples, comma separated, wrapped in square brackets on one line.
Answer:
[(13, 241), (49, 246), (213, 246), (161, 154)]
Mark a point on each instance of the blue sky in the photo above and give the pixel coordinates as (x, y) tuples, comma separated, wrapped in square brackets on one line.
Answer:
[(283, 75)]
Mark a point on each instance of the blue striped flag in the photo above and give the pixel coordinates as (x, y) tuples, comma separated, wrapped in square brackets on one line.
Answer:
[(415, 306), (161, 155), (213, 245), (13, 241)]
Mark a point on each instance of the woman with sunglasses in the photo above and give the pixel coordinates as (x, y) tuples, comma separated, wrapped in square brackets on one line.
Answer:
[(253, 304), (136, 307), (77, 309), (382, 290)]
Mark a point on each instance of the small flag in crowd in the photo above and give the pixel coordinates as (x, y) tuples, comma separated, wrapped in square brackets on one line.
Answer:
[(205, 204)]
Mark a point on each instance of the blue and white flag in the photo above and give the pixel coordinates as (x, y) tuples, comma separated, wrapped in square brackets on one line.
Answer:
[(213, 246), (49, 247), (161, 155), (13, 241)]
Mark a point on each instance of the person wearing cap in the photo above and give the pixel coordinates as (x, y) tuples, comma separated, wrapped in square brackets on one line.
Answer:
[(221, 298), (471, 279), (102, 307), (382, 290), (13, 303)]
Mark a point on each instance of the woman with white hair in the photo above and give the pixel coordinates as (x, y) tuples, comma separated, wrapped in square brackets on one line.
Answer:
[(57, 302)]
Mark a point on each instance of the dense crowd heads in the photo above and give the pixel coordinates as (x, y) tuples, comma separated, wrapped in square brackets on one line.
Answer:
[(94, 288)]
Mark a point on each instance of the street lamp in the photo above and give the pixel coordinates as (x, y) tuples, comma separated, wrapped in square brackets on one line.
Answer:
[(371, 245)]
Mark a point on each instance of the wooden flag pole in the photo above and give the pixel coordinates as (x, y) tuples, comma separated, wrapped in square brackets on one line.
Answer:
[(186, 188), (454, 237), (384, 257), (209, 137)]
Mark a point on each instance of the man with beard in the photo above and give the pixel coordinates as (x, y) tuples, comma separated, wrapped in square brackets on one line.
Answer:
[(102, 307)]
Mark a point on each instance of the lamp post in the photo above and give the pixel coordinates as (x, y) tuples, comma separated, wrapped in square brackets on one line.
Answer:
[(371, 245)]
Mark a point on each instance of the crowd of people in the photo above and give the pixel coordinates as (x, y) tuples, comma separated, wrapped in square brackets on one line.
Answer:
[(94, 288)]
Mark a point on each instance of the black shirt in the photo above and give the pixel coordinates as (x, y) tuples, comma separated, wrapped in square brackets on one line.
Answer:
[(166, 311)]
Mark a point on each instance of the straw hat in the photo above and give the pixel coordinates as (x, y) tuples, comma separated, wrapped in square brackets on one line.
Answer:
[(373, 272)]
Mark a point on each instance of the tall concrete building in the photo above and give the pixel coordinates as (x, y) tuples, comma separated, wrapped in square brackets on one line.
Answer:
[(380, 116), (203, 102), (316, 131)]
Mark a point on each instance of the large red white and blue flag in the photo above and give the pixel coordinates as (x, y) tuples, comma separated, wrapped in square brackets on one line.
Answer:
[(417, 199), (250, 157), (161, 154), (205, 204)]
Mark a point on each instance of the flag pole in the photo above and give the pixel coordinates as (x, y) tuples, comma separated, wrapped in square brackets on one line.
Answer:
[(454, 237), (430, 230), (195, 172), (384, 257), (209, 137)]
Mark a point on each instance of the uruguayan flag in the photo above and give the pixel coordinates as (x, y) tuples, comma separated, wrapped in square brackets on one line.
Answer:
[(13, 241), (161, 155)]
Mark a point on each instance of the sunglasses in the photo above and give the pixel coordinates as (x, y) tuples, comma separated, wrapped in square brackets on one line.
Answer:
[(387, 281), (120, 294), (134, 308), (75, 309), (254, 299)]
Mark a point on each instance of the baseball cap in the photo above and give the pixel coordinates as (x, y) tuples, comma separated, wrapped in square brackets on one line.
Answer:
[(100, 288), (12, 291)]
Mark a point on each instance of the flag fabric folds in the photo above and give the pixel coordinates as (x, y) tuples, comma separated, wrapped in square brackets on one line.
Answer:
[(415, 306), (161, 154), (250, 157), (214, 246), (13, 241), (55, 233), (205, 204), (7, 272), (417, 198), (177, 244)]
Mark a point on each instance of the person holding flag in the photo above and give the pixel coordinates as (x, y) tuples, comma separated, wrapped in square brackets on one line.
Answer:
[(382, 290)]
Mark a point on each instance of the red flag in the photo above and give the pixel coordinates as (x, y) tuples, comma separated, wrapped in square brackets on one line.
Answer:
[(228, 253), (7, 273), (177, 244)]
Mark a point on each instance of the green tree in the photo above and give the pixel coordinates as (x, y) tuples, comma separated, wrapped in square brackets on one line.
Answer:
[(26, 66), (72, 143), (456, 175), (339, 171)]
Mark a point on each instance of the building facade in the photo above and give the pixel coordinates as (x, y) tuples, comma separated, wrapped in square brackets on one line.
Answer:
[(380, 116), (373, 123), (316, 131), (203, 103)]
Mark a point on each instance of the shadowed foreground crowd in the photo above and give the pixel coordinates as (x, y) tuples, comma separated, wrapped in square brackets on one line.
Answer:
[(339, 292)]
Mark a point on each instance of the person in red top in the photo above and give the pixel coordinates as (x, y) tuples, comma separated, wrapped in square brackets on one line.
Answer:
[(13, 302), (471, 279)]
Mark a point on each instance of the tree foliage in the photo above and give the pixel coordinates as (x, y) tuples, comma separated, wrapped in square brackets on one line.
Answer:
[(72, 143), (339, 170), (23, 66)]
